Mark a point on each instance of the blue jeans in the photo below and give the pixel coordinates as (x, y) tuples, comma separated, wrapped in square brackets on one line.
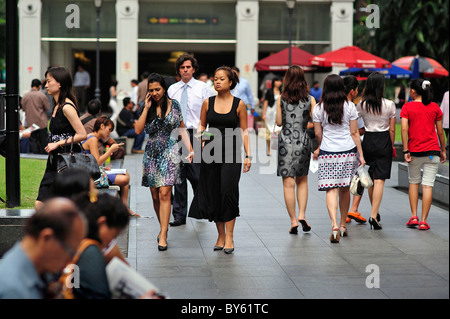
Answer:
[(138, 139)]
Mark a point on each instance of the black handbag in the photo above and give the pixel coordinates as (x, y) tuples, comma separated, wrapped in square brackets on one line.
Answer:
[(82, 160)]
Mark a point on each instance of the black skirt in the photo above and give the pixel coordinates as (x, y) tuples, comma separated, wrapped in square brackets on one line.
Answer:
[(217, 195), (51, 171), (377, 151)]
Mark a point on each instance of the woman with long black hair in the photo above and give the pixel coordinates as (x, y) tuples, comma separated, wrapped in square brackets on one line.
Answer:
[(379, 118), (336, 129), (65, 125), (162, 120)]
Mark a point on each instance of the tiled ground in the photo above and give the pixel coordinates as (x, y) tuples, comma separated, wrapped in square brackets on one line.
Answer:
[(270, 263)]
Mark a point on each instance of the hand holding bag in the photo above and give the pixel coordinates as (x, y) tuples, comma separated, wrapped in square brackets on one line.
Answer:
[(355, 186), (364, 177), (81, 160)]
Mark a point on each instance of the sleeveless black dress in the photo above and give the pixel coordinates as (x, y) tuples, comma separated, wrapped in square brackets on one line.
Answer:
[(60, 129), (217, 196)]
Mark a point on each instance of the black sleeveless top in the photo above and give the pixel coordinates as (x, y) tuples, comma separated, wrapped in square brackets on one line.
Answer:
[(226, 127), (61, 129)]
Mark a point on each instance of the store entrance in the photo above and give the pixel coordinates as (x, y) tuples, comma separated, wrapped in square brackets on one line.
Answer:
[(164, 62), (107, 72)]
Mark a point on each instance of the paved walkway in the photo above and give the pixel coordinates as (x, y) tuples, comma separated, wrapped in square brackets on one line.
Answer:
[(270, 263)]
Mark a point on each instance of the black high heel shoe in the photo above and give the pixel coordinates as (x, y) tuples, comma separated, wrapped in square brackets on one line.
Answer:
[(373, 223), (228, 250), (167, 236), (293, 230), (162, 248), (305, 226)]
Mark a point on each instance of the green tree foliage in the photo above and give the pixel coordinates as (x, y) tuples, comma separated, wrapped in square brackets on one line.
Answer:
[(408, 27)]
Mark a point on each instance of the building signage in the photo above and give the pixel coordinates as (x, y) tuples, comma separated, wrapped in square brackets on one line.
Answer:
[(175, 20)]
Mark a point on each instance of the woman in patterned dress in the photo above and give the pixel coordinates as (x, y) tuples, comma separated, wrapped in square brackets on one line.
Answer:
[(294, 110), (65, 126), (162, 120), (336, 129)]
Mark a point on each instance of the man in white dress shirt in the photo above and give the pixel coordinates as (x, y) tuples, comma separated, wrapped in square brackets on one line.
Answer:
[(190, 93), (81, 83)]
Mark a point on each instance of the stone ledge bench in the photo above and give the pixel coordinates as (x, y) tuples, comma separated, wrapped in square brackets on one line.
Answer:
[(11, 227), (114, 190)]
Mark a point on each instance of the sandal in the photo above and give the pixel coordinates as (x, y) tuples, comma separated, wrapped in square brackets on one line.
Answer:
[(133, 214), (356, 216), (413, 221), (424, 226)]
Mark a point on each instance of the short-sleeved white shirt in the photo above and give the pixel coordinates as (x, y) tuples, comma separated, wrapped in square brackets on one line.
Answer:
[(378, 122), (336, 138)]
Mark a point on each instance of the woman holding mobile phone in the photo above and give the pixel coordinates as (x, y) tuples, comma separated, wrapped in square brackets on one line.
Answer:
[(162, 120)]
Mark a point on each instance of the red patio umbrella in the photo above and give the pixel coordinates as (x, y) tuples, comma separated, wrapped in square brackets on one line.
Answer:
[(280, 61), (428, 66), (351, 57)]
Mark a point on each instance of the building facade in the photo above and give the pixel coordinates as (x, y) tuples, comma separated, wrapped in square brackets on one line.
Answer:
[(148, 35)]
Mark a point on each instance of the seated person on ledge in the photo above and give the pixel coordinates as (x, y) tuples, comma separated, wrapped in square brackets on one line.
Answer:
[(125, 125), (94, 110), (102, 128)]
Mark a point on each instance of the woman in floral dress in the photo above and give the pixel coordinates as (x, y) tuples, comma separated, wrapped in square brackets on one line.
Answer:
[(162, 121)]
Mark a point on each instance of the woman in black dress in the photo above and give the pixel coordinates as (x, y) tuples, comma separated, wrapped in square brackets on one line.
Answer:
[(65, 125), (217, 196)]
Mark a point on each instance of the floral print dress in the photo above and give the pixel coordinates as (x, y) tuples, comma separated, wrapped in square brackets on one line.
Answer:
[(161, 161)]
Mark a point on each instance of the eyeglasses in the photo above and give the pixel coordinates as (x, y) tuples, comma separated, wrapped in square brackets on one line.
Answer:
[(69, 251)]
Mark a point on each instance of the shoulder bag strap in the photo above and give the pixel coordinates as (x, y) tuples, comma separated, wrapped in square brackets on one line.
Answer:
[(87, 119)]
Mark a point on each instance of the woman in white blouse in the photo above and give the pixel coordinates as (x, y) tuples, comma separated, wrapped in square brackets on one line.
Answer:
[(378, 114), (339, 152)]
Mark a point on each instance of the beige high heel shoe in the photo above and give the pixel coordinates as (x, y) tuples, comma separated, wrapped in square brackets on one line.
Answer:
[(335, 235), (343, 230)]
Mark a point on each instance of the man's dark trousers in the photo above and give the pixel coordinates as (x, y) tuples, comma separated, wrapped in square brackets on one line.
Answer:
[(189, 172)]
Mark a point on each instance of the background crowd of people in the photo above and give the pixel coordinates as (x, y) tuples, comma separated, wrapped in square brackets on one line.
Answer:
[(74, 223)]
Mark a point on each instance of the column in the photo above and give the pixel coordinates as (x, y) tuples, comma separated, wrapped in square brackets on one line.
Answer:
[(247, 31), (29, 37), (127, 14), (341, 26)]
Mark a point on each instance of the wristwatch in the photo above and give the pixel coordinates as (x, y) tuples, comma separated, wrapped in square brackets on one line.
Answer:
[(249, 157), (406, 152)]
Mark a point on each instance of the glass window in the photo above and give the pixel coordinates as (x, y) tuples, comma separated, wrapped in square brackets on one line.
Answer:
[(310, 22), (187, 20), (54, 18)]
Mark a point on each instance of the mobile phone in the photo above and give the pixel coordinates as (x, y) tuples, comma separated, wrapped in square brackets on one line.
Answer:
[(203, 135)]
